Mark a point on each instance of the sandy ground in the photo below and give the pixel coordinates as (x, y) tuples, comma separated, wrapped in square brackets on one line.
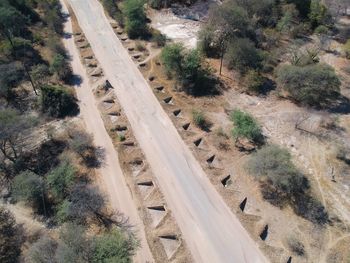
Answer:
[(111, 173), (181, 24), (212, 232)]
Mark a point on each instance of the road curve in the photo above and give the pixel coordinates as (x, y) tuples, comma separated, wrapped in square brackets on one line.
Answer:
[(111, 173), (212, 232)]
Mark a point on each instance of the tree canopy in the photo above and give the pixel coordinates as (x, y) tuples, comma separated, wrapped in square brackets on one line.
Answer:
[(314, 85)]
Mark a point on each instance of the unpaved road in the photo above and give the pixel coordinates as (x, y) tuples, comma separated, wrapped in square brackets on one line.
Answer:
[(212, 232), (119, 195)]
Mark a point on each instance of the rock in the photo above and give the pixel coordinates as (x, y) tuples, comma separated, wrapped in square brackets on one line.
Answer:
[(244, 145)]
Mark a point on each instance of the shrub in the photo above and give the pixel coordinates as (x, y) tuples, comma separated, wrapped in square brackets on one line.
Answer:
[(313, 85), (346, 48), (140, 46), (200, 120), (83, 203), (57, 101), (321, 30), (136, 20), (156, 4), (245, 126), (296, 246), (282, 183), (189, 69), (10, 238), (61, 67), (61, 179), (121, 137), (74, 245), (159, 38), (172, 56), (114, 246), (29, 187), (242, 55), (274, 164), (255, 82), (43, 250), (319, 14)]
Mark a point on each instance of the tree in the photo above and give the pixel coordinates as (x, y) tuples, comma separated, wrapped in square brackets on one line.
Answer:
[(136, 20), (11, 75), (245, 126), (61, 67), (43, 251), (319, 14), (40, 74), (313, 85), (74, 246), (303, 6), (289, 20), (57, 101), (114, 246), (226, 22), (10, 238), (272, 165), (60, 179), (261, 12), (189, 69), (12, 127), (12, 22), (255, 81), (172, 56), (242, 55), (83, 202), (29, 187)]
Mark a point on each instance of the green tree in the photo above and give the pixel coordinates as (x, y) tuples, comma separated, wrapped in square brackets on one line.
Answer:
[(136, 20), (61, 67), (189, 69), (60, 179), (10, 238), (319, 14), (245, 126), (114, 246), (242, 55), (172, 56), (314, 85), (40, 74), (12, 22), (29, 187), (57, 101)]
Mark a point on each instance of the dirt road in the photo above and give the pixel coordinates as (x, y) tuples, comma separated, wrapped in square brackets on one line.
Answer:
[(119, 195), (211, 230)]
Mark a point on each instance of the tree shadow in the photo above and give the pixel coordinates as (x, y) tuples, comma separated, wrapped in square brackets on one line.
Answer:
[(75, 80), (94, 157), (340, 105)]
